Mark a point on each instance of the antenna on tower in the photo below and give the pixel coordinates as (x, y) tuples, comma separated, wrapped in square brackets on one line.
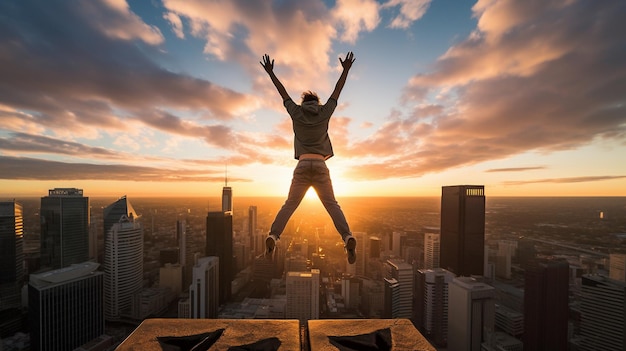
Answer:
[(226, 174)]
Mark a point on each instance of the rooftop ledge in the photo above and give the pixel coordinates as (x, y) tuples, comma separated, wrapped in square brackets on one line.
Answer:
[(237, 332)]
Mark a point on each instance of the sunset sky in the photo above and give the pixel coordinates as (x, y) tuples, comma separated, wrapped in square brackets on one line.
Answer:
[(162, 97)]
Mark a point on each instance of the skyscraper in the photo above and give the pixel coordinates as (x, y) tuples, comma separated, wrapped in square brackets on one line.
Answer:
[(303, 300), (219, 242), (11, 267), (64, 228), (252, 224), (11, 254), (602, 311), (472, 304), (463, 229), (375, 247), (546, 286), (506, 251), (360, 248), (65, 307), (431, 250), (617, 266), (402, 272), (204, 289), (431, 303), (227, 196), (123, 258)]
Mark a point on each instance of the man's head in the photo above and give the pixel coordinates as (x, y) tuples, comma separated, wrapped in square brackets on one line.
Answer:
[(310, 96)]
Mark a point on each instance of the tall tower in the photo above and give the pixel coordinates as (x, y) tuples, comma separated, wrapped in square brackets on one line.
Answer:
[(602, 307), (219, 242), (123, 258), (204, 289), (546, 286), (431, 250), (431, 303), (227, 195), (472, 303), (303, 301), (252, 224), (65, 307), (64, 228), (402, 303), (463, 229), (12, 257), (11, 267)]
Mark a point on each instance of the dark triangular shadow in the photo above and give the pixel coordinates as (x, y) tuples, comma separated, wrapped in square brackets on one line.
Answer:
[(196, 342), (379, 340)]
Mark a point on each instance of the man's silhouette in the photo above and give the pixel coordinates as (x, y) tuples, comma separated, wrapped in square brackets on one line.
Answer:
[(312, 148)]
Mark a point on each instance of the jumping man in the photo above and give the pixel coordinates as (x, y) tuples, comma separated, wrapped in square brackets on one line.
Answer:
[(312, 148)]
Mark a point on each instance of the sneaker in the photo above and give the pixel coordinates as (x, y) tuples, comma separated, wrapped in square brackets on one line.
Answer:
[(270, 244), (351, 249)]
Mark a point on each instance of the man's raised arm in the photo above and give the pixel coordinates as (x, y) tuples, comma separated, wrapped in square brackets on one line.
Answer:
[(346, 64), (268, 65)]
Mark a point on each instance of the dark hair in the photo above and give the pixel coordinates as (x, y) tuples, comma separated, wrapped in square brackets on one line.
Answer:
[(310, 96)]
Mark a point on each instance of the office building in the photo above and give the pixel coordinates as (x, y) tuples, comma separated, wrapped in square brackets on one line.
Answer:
[(11, 267), (375, 247), (65, 307), (472, 304), (359, 265), (64, 228), (227, 198), (181, 239), (602, 314), (431, 303), (205, 287), (546, 310), (171, 276), (303, 295), (509, 321), (617, 266), (431, 250), (252, 226), (219, 242), (463, 229), (402, 272), (504, 258), (123, 258), (391, 293), (12, 257)]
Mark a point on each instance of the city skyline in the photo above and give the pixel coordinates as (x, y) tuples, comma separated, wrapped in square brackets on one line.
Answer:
[(156, 98)]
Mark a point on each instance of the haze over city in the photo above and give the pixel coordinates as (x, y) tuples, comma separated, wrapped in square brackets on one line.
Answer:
[(162, 98)]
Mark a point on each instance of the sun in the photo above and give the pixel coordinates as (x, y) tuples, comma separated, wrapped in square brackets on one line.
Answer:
[(310, 194)]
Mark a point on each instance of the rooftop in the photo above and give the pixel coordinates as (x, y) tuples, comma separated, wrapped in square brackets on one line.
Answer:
[(314, 334)]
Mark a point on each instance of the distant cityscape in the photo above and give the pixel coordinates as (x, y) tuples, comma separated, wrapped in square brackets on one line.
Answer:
[(471, 272)]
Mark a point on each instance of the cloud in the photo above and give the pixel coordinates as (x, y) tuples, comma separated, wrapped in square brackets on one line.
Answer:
[(176, 23), (565, 180), (242, 31), (515, 169), (553, 79), (355, 16), (410, 11), (81, 70), (23, 168), (114, 19), (28, 143)]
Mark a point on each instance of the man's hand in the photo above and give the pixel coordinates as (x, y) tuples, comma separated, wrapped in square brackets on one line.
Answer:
[(267, 64), (346, 64)]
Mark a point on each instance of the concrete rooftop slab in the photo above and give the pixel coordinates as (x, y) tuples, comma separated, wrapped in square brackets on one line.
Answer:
[(404, 336), (237, 332)]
